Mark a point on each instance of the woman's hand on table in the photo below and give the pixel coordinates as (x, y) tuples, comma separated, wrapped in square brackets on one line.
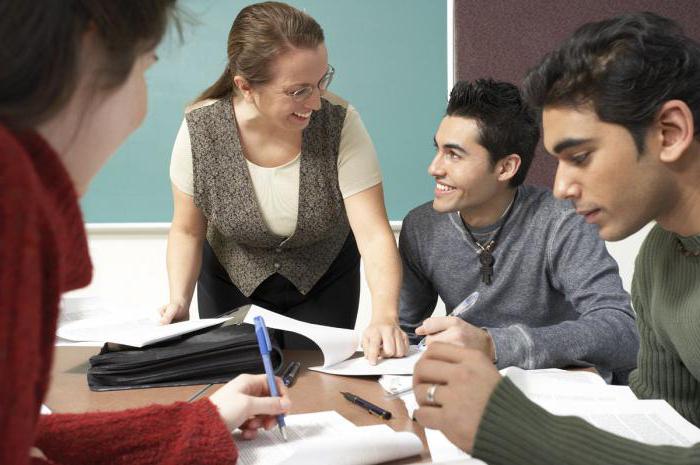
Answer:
[(173, 312), (383, 338)]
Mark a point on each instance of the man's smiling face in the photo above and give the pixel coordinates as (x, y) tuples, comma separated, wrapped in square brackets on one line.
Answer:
[(464, 175)]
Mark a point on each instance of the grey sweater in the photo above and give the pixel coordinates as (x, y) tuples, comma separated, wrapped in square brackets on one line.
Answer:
[(556, 298)]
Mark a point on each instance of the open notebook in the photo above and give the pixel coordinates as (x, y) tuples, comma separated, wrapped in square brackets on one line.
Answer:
[(326, 437), (338, 346)]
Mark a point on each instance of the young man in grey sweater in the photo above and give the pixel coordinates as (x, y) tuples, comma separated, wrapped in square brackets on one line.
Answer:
[(549, 293)]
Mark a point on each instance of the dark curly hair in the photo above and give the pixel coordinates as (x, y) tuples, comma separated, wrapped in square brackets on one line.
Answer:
[(506, 123), (625, 68)]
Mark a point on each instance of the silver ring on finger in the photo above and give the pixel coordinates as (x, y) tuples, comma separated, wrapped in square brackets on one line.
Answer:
[(430, 395)]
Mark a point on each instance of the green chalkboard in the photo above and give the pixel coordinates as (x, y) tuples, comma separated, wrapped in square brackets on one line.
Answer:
[(391, 64)]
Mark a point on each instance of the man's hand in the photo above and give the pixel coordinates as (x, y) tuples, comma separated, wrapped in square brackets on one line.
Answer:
[(384, 339), (454, 330), (245, 403), (464, 380)]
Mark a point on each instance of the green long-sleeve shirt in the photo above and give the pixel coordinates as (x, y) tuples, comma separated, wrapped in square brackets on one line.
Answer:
[(666, 296)]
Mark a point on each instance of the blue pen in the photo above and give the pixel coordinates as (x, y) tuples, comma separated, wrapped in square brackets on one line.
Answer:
[(264, 344), (458, 311)]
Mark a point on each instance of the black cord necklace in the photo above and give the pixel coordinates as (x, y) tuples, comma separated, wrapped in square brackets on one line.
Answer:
[(486, 257)]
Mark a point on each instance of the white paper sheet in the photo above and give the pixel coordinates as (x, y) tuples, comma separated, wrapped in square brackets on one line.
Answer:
[(396, 384), (441, 449), (129, 331), (546, 385), (336, 343), (326, 437), (359, 366)]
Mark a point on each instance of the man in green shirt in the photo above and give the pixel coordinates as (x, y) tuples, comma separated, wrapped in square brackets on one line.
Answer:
[(620, 103)]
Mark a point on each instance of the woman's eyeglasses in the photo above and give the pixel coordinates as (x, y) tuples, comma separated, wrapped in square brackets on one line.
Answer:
[(305, 92)]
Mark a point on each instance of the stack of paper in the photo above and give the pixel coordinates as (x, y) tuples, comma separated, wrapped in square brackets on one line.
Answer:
[(326, 437)]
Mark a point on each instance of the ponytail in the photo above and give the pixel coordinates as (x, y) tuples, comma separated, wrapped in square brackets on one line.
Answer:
[(221, 88)]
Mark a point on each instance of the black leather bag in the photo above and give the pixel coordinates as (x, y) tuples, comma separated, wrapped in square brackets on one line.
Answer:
[(208, 356)]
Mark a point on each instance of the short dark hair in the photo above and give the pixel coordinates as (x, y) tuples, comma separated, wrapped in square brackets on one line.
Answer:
[(41, 44), (506, 123), (625, 68)]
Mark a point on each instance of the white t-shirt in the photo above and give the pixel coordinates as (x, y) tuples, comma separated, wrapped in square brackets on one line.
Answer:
[(277, 189)]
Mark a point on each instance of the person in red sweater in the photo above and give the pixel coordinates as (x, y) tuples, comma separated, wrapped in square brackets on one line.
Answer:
[(72, 89)]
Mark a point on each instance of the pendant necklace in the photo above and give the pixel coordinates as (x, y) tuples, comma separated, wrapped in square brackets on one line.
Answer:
[(485, 250)]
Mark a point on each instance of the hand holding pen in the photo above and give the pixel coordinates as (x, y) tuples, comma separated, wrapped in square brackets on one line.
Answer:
[(245, 403), (456, 330), (458, 311)]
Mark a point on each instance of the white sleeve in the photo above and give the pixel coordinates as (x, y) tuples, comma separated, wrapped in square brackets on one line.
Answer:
[(181, 161), (358, 167)]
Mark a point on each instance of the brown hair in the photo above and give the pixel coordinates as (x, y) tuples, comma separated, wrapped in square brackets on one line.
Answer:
[(42, 43), (259, 33)]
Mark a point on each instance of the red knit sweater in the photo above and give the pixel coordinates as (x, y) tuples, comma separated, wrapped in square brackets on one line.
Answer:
[(43, 253)]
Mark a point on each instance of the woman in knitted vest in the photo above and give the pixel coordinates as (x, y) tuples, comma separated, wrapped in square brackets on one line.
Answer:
[(277, 191)]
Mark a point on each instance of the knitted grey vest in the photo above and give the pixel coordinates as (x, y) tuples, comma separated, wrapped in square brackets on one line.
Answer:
[(223, 190)]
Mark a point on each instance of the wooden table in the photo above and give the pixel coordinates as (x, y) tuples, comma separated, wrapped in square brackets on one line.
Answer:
[(312, 392)]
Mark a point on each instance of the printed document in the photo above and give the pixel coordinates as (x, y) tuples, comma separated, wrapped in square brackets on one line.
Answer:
[(652, 422)]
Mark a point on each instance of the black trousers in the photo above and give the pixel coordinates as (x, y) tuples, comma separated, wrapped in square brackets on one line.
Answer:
[(333, 301)]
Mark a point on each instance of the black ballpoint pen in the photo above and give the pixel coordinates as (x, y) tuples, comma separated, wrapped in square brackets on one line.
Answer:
[(290, 373), (370, 407)]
